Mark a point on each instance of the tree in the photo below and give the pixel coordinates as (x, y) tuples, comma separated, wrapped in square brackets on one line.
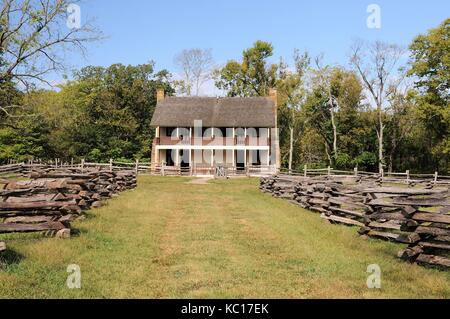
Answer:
[(196, 67), (114, 107), (376, 65), (430, 65), (102, 113), (254, 76), (10, 101), (323, 78), (334, 110), (33, 39), (292, 92), (399, 121), (27, 138), (350, 117)]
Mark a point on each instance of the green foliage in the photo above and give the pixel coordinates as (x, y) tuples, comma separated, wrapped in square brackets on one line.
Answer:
[(117, 104), (28, 139), (343, 160), (95, 155), (416, 121), (366, 160), (254, 76), (430, 64), (356, 138), (9, 95), (317, 115), (291, 88), (22, 135), (103, 113)]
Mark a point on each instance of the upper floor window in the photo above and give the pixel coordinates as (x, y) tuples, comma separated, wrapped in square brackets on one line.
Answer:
[(253, 132), (223, 132), (171, 131)]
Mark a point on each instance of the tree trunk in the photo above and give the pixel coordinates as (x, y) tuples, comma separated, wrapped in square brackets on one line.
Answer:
[(392, 153), (391, 158), (328, 154), (333, 123), (334, 135), (197, 87), (380, 139), (291, 149)]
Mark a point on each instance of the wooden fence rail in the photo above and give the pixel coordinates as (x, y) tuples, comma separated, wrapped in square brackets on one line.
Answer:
[(26, 168), (417, 216), (54, 197), (149, 168)]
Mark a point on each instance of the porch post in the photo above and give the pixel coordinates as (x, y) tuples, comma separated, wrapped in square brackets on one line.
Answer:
[(245, 157), (157, 155), (177, 157), (191, 165)]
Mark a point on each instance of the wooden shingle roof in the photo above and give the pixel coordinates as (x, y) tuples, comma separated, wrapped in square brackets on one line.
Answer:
[(215, 112)]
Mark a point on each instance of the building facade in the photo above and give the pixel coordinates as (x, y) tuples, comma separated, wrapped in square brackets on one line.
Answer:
[(200, 134)]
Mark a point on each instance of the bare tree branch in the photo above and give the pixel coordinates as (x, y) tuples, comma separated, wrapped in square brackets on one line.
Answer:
[(196, 66), (375, 65), (323, 77), (34, 35)]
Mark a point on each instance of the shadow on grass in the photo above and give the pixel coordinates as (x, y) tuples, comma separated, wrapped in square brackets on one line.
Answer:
[(77, 232), (77, 229), (9, 258)]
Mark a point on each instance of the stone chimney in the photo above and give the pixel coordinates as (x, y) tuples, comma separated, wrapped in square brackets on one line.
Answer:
[(273, 95), (160, 95)]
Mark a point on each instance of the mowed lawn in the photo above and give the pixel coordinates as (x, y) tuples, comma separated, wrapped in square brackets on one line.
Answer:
[(173, 239)]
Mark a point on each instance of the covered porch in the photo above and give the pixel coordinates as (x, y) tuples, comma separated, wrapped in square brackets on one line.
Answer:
[(211, 162)]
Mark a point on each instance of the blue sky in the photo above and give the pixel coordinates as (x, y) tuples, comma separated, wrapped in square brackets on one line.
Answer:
[(141, 30)]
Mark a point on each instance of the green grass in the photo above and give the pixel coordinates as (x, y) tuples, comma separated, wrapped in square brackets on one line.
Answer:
[(171, 239)]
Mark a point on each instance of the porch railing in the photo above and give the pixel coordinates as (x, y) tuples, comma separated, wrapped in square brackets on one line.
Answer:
[(211, 170), (212, 141)]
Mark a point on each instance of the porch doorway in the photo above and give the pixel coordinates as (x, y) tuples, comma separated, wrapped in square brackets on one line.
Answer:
[(240, 160), (184, 158), (169, 157)]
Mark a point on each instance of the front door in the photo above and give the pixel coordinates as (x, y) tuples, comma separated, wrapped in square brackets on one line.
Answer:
[(184, 158), (169, 158), (240, 160)]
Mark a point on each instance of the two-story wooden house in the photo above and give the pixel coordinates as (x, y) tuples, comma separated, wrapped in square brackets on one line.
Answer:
[(199, 134)]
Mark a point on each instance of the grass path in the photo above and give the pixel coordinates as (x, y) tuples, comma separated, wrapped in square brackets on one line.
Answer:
[(173, 239)]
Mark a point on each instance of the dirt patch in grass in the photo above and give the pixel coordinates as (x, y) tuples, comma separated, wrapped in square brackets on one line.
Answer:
[(200, 181)]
